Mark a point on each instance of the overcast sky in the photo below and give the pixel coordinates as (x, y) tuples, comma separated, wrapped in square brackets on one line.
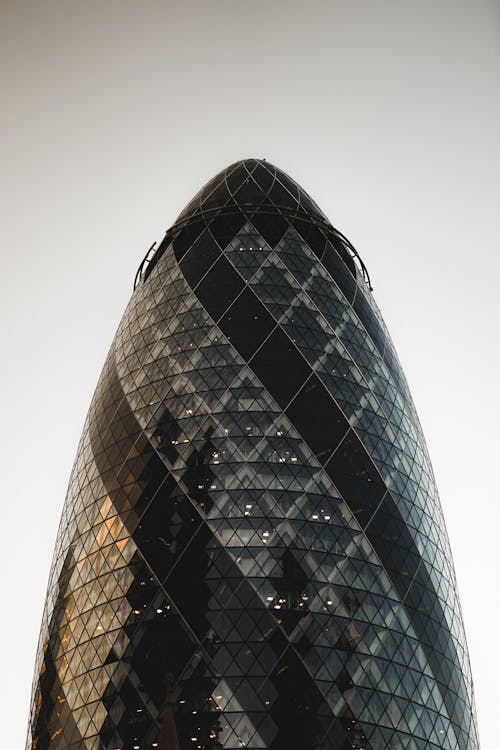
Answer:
[(114, 113)]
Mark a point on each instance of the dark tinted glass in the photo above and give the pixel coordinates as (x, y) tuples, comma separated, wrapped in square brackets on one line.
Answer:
[(219, 288), (318, 419), (280, 367), (247, 323)]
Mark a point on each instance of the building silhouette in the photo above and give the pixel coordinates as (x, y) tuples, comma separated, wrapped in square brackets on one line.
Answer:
[(252, 551)]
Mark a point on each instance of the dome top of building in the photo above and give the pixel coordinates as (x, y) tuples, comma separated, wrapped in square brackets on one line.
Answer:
[(252, 184), (256, 191)]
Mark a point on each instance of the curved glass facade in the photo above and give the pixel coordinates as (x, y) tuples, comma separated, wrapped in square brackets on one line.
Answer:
[(252, 552)]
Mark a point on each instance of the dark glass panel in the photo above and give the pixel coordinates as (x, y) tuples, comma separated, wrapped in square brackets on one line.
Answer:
[(340, 273), (185, 238), (194, 206), (191, 599), (216, 198), (394, 544), (280, 367), (312, 236), (281, 197), (355, 475), (318, 419), (225, 226), (290, 185), (341, 249), (263, 177), (142, 591), (249, 194), (247, 323), (153, 657), (132, 724), (308, 206), (297, 705), (219, 288), (166, 528), (199, 258), (236, 178), (271, 226), (195, 714)]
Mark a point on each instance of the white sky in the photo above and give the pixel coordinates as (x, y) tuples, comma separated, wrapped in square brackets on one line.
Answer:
[(115, 112)]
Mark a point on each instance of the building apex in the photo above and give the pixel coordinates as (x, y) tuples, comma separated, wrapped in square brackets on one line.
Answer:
[(252, 184), (262, 194)]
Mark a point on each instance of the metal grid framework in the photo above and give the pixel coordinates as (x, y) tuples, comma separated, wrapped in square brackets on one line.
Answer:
[(252, 521)]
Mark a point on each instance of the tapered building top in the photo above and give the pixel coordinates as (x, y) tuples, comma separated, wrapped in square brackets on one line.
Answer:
[(257, 189), (252, 183), (252, 551)]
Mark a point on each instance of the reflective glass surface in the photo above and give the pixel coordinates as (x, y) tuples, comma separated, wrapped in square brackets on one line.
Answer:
[(252, 551)]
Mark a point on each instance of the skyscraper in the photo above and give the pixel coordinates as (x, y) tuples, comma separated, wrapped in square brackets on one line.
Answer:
[(252, 551)]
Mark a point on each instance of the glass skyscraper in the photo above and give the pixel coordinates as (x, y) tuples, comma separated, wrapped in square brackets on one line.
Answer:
[(252, 552)]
